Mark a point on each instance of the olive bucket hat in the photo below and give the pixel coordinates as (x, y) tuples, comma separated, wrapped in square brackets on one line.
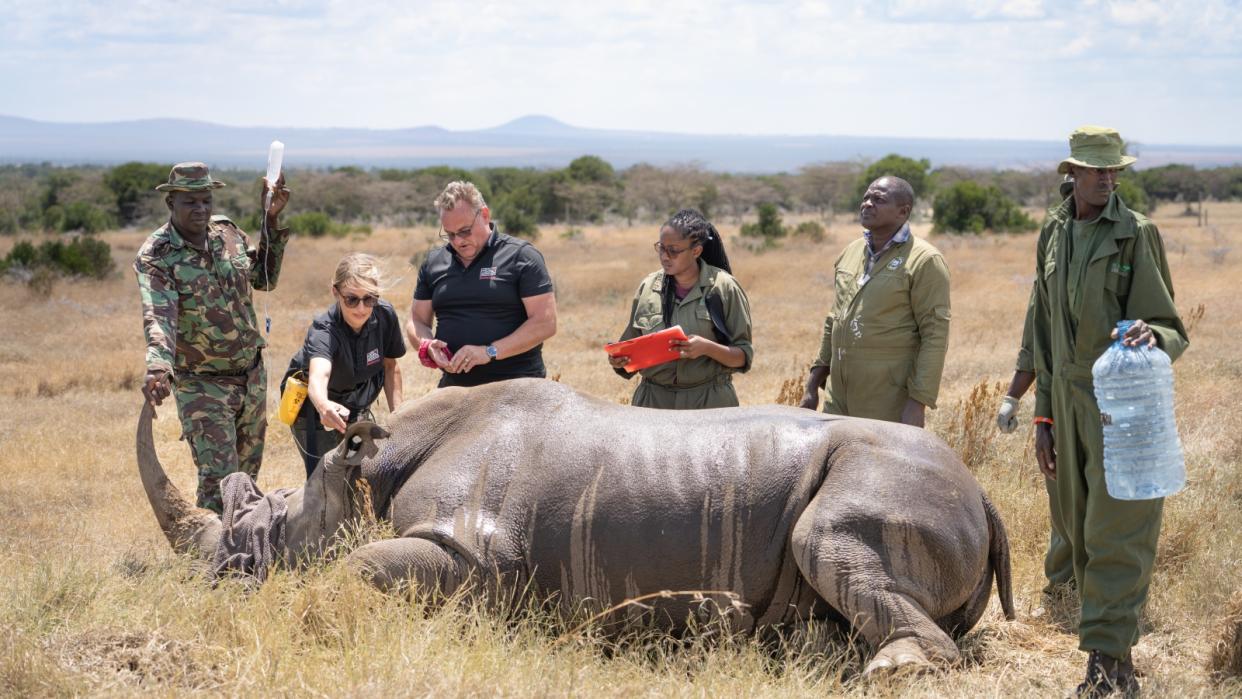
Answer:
[(189, 177), (1095, 146)]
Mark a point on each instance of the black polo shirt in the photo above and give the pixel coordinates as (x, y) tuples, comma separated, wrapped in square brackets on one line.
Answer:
[(481, 303), (357, 357)]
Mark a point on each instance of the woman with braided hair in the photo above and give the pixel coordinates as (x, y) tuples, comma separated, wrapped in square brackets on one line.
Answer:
[(694, 289)]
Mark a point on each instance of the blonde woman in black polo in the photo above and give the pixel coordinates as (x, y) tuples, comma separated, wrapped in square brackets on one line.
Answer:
[(349, 355)]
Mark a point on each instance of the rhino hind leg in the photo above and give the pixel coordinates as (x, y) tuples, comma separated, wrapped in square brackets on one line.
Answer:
[(421, 563), (850, 575)]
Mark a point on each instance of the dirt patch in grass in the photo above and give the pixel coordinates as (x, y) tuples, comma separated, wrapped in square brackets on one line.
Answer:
[(111, 657)]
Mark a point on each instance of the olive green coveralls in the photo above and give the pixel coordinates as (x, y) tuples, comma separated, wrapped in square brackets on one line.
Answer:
[(689, 384), (885, 340), (1113, 268), (1059, 561)]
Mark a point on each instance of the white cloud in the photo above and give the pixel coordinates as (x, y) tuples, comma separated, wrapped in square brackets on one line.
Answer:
[(965, 10), (1132, 12)]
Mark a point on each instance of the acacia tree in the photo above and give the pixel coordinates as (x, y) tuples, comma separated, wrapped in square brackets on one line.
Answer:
[(132, 183), (825, 186)]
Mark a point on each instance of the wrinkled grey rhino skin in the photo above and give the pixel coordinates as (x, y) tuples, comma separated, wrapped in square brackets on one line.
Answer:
[(533, 484)]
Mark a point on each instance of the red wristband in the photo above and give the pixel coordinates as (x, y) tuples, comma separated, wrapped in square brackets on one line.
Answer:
[(1044, 420)]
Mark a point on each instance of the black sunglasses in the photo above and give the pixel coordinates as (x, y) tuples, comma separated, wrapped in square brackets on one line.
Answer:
[(352, 301)]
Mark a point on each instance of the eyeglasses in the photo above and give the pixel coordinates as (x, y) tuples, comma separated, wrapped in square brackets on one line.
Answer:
[(448, 236), (352, 301), (662, 249)]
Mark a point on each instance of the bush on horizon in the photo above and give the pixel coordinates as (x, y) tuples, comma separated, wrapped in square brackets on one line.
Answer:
[(968, 207)]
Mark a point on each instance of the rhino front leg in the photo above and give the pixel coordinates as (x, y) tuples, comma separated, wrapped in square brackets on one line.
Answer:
[(422, 563), (835, 554)]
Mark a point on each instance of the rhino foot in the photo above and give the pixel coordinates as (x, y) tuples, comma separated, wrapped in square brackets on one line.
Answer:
[(897, 655)]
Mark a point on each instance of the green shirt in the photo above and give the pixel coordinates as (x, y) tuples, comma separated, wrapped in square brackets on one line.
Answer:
[(1117, 270), (647, 316), (197, 312)]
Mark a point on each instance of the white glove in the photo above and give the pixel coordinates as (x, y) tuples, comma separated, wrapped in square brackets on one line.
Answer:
[(1007, 417)]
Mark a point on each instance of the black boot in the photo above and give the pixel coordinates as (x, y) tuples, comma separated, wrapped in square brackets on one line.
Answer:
[(1107, 676)]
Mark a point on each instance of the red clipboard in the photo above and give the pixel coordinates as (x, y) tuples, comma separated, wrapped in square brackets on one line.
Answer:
[(648, 350)]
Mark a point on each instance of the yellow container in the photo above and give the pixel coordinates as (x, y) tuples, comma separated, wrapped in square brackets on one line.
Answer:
[(292, 397)]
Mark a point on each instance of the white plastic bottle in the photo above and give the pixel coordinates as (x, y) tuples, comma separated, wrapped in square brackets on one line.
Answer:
[(1134, 390), (275, 159)]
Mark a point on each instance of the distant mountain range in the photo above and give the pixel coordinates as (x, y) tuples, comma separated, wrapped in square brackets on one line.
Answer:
[(538, 141)]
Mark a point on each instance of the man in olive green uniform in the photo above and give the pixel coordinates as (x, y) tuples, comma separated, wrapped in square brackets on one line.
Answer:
[(1097, 263), (884, 342), (195, 275)]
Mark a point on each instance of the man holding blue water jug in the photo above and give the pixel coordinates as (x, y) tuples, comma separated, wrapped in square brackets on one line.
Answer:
[(1098, 263)]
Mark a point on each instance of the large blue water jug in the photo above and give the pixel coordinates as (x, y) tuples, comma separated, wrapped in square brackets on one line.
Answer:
[(1142, 452)]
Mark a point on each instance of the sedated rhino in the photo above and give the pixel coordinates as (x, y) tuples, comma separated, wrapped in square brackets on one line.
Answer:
[(532, 485)]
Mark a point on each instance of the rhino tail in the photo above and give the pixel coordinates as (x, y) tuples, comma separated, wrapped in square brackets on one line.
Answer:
[(998, 558)]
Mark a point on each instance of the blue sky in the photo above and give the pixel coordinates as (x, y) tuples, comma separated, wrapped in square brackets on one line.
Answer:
[(1161, 72)]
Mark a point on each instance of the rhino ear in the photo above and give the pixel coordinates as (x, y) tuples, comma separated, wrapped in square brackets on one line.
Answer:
[(360, 442)]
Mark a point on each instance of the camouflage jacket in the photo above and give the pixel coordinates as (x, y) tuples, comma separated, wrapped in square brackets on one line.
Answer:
[(197, 311)]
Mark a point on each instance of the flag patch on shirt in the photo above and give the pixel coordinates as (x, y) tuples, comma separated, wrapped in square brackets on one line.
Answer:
[(487, 273), (373, 356)]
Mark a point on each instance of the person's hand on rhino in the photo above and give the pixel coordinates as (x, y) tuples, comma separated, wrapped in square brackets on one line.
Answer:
[(156, 387)]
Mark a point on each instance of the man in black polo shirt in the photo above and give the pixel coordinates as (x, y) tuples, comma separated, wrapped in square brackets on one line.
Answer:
[(489, 293)]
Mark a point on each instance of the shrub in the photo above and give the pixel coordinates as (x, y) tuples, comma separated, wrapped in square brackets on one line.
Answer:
[(768, 228), (76, 216), (84, 256), (1132, 193), (23, 254), (813, 230), (519, 223), (88, 218), (968, 207), (316, 224), (517, 213)]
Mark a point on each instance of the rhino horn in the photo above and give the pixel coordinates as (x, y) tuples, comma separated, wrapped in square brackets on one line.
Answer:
[(189, 529)]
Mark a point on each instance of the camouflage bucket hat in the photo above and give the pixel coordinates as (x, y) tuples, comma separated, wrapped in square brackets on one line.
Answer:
[(189, 177), (1095, 146)]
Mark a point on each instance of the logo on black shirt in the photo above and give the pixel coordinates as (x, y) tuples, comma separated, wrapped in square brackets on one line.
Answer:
[(487, 273), (373, 356)]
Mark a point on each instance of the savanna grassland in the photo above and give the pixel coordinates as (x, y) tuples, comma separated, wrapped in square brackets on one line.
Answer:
[(92, 601)]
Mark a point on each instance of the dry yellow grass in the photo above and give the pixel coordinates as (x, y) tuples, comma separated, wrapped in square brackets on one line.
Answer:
[(92, 602)]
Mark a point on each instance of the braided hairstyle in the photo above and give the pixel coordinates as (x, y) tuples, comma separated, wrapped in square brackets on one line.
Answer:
[(699, 231)]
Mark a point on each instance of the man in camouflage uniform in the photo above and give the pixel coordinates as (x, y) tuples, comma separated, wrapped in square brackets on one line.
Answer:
[(195, 274)]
